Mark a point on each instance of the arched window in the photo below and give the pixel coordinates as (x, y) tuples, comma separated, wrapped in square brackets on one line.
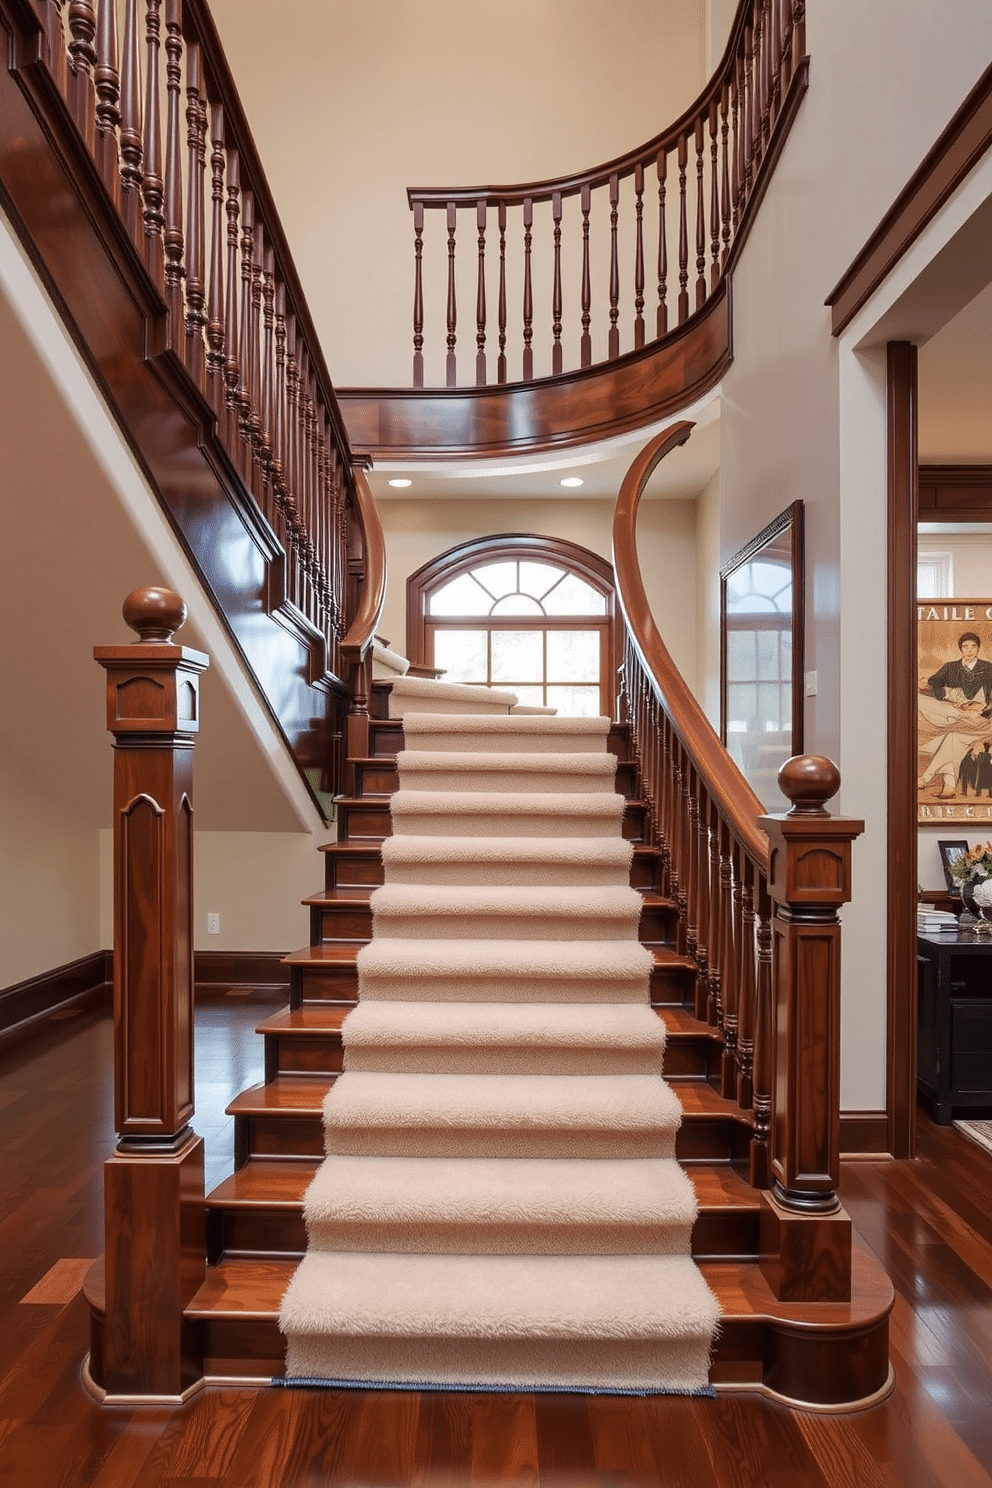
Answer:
[(534, 614)]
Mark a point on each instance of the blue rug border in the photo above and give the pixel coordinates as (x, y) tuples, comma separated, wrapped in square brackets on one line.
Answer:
[(317, 1382)]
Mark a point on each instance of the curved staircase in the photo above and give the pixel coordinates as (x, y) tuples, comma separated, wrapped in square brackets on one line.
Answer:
[(821, 1353)]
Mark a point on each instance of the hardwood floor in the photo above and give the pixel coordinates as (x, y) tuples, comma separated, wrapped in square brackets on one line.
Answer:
[(929, 1221)]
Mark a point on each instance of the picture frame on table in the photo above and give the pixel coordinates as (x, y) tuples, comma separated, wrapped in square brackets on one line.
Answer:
[(949, 853)]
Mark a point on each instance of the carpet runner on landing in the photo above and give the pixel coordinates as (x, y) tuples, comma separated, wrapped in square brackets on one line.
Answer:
[(500, 1203)]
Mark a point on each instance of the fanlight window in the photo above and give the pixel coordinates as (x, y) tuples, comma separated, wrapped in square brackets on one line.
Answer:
[(539, 628)]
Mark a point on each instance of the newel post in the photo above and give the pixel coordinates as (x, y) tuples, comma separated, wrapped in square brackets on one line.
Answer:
[(805, 1235), (153, 1188)]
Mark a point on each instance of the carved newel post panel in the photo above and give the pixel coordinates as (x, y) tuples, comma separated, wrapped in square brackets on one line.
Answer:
[(806, 1236), (153, 1195)]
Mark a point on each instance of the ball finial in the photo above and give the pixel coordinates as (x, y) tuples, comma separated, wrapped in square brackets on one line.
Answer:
[(808, 780), (154, 613)]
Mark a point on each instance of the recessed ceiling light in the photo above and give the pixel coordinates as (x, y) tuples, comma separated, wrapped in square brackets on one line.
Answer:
[(401, 483), (571, 480)]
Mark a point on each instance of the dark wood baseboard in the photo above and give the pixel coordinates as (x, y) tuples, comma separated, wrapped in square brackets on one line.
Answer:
[(86, 982), (864, 1134), (220, 972)]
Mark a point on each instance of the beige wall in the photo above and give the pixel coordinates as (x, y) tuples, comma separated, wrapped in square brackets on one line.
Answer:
[(417, 531), (708, 600), (49, 881), (804, 416), (388, 94)]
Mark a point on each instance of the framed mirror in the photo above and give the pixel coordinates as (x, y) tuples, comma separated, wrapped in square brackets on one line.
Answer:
[(762, 592)]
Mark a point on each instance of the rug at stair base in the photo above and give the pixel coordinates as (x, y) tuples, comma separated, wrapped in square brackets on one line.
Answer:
[(500, 1204)]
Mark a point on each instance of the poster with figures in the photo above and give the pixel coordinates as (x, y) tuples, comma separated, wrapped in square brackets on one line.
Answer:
[(954, 713)]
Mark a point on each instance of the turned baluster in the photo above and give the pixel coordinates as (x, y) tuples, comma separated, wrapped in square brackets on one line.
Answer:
[(268, 375), (279, 410), (232, 361), (714, 198), (244, 343), (700, 882), (774, 62), (763, 1054), (418, 294), (173, 230), (480, 298), (747, 117), (152, 184), (662, 321), (131, 131), (681, 824), (725, 196), (729, 990), (107, 83), (614, 341), (83, 60), (556, 285), (451, 376), (700, 216), (585, 342), (215, 301), (805, 1235), (737, 185), (153, 1184), (257, 257), (528, 220), (683, 230), (501, 363), (292, 476), (745, 975), (638, 256), (714, 936), (663, 793), (196, 142), (766, 74)]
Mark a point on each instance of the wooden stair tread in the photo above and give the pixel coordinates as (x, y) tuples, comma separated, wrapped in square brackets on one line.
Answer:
[(667, 959), (718, 1186), (681, 1023), (270, 1182), (700, 1100), (328, 953), (255, 1288), (362, 849), (313, 1020), (288, 1095), (350, 894)]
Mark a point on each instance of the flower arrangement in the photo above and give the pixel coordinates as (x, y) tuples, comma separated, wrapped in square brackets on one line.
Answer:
[(974, 866)]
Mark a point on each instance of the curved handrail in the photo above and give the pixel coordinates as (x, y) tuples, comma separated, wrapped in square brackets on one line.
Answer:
[(361, 632), (721, 777), (711, 167)]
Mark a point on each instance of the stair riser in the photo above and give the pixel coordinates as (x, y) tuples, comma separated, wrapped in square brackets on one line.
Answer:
[(254, 1231), (712, 1139), (727, 1235), (340, 922), (375, 777), (691, 1058), (338, 984), (288, 1054), (352, 871), (363, 821), (385, 737)]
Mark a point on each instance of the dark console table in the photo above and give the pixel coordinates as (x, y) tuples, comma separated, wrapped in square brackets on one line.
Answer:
[(954, 1070)]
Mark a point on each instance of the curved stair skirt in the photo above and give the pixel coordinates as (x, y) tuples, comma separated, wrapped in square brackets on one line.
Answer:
[(810, 1356)]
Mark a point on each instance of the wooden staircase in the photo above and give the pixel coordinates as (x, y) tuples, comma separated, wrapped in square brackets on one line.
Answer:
[(817, 1352)]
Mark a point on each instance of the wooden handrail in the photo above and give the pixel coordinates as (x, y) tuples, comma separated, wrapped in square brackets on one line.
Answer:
[(756, 899), (709, 169), (717, 770), (372, 595), (150, 129)]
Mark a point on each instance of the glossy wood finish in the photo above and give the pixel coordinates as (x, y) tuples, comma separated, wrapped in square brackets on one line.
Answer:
[(902, 498), (153, 1183), (955, 493), (86, 981), (547, 413), (722, 149), (962, 143), (204, 350), (928, 1220), (757, 898)]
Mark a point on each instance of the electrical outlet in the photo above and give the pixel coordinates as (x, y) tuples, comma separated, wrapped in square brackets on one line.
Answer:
[(213, 924), (810, 688)]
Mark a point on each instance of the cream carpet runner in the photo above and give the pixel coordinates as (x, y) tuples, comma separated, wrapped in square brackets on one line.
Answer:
[(500, 1204)]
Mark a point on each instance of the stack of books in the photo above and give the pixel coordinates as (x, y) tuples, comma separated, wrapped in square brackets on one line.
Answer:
[(929, 920)]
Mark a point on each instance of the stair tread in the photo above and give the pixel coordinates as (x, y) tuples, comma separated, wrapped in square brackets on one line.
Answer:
[(699, 1100), (314, 1020), (270, 1182), (328, 953), (348, 894), (681, 1023), (281, 1182), (362, 849), (254, 1288), (284, 1096)]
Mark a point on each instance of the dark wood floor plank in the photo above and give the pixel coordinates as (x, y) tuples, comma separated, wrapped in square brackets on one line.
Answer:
[(565, 1452), (504, 1441)]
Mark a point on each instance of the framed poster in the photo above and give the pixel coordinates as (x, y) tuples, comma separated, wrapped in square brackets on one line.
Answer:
[(954, 711), (761, 653)]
